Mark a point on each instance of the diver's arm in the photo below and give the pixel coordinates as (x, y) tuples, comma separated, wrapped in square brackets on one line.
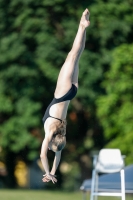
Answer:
[(43, 155), (56, 162), (47, 177)]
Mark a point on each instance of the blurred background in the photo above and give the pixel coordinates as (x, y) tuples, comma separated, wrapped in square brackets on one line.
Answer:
[(35, 37)]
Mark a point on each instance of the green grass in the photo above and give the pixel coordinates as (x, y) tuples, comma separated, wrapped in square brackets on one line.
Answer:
[(38, 195), (47, 195)]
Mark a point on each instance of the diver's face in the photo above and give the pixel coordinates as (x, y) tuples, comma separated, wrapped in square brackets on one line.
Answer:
[(49, 146)]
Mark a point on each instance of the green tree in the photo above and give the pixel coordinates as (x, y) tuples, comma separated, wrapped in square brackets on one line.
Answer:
[(115, 108)]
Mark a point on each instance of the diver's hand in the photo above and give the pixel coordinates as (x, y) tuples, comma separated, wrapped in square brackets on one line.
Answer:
[(49, 177)]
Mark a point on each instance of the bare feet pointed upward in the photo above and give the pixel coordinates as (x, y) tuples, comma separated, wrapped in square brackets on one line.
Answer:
[(85, 18)]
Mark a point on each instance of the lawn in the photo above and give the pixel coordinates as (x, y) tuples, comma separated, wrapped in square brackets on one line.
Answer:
[(47, 195)]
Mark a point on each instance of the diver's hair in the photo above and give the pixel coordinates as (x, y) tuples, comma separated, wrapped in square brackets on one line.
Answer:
[(59, 138)]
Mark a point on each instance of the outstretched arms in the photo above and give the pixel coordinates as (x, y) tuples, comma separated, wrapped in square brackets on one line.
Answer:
[(49, 175), (54, 168)]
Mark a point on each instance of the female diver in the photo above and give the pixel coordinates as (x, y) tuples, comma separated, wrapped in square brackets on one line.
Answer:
[(66, 88)]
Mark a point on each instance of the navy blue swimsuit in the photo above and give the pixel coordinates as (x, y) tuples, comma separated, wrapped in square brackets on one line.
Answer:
[(68, 96)]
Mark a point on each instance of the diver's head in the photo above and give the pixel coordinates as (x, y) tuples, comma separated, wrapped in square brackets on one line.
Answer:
[(58, 141)]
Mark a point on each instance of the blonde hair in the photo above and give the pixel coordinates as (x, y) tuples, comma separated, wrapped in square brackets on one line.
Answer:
[(59, 139)]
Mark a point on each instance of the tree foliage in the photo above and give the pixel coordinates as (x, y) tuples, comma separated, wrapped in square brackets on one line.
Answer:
[(115, 108)]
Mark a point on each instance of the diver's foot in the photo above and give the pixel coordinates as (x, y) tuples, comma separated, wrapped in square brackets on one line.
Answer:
[(85, 18)]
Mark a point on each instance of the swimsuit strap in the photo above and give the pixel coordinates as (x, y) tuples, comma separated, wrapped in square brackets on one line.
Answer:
[(57, 118)]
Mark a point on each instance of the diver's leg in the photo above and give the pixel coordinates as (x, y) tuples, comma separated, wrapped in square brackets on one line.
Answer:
[(69, 70), (76, 68)]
